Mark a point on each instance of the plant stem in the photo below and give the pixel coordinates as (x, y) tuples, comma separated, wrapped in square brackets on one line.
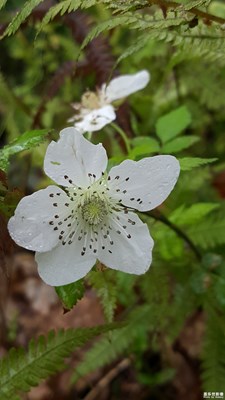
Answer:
[(198, 13), (160, 217), (123, 135)]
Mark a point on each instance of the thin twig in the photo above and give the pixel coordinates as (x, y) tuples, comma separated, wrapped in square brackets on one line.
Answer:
[(160, 217), (106, 380), (198, 13)]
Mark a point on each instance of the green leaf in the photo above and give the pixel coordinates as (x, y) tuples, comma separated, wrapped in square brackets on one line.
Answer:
[(25, 141), (210, 232), (105, 351), (213, 366), (70, 294), (143, 145), (193, 214), (63, 7), (20, 370), (105, 285), (179, 144), (2, 3), (107, 25), (187, 163), (20, 17), (172, 124)]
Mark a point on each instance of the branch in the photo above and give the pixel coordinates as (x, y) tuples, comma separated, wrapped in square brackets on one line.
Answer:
[(160, 217), (198, 13), (107, 379)]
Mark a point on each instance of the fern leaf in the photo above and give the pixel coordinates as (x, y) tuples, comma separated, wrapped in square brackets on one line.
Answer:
[(210, 232), (21, 16), (105, 286), (63, 7), (140, 42), (190, 215), (213, 357), (109, 348), (193, 4), (21, 370), (106, 26)]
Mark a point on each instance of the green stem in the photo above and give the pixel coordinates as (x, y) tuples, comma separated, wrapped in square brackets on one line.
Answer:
[(123, 135)]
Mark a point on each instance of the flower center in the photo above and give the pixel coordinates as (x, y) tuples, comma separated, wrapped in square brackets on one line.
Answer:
[(90, 100), (94, 211)]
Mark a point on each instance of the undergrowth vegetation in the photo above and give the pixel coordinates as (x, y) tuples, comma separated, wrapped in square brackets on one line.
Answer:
[(51, 52)]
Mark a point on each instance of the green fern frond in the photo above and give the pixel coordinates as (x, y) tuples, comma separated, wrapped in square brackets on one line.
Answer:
[(63, 7), (210, 232), (213, 356), (105, 286), (109, 348), (21, 16), (20, 370), (194, 3)]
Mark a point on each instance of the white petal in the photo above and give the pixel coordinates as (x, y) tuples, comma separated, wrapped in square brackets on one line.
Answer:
[(96, 119), (70, 160), (64, 264), (147, 183), (30, 226), (131, 249), (123, 86)]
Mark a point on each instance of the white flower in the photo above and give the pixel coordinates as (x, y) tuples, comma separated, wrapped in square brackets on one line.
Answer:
[(92, 217), (95, 110)]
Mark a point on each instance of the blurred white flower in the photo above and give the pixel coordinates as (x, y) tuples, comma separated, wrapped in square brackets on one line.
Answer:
[(95, 110), (92, 218)]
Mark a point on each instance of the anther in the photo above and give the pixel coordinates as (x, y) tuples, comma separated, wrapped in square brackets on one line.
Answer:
[(51, 195), (55, 204)]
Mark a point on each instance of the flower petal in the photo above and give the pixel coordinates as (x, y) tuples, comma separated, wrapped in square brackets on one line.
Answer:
[(131, 247), (123, 86), (64, 264), (96, 119), (70, 160), (32, 225), (145, 184)]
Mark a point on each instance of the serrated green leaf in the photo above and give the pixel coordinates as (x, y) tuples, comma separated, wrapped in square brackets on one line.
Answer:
[(20, 370), (173, 123), (190, 215), (210, 232), (21, 16), (143, 145), (66, 6), (179, 144), (105, 285), (187, 163), (107, 25), (70, 294), (25, 141)]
